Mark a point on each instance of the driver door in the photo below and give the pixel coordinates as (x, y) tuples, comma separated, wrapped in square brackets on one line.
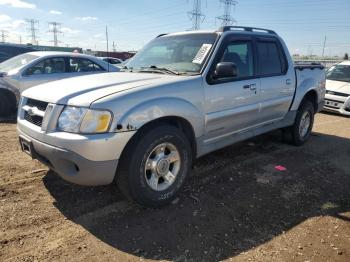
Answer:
[(47, 70), (232, 104)]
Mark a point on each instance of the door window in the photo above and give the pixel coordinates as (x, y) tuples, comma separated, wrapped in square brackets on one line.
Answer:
[(83, 65), (269, 59), (48, 66), (241, 54)]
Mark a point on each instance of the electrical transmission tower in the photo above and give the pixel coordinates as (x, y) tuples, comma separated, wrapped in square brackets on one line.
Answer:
[(32, 29), (55, 28), (226, 18), (196, 15), (3, 36)]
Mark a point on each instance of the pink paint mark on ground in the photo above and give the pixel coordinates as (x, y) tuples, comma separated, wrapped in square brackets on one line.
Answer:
[(280, 168)]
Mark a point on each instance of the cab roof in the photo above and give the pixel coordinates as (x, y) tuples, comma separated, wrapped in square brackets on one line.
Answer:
[(239, 29)]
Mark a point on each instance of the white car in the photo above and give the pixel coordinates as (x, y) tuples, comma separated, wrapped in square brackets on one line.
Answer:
[(338, 89), (34, 68)]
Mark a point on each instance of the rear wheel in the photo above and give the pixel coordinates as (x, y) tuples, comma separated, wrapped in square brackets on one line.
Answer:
[(300, 131), (7, 103), (154, 167)]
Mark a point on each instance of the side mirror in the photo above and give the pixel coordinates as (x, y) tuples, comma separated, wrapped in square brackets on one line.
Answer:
[(225, 69)]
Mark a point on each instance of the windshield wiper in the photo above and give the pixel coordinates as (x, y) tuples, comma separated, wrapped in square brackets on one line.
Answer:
[(154, 68)]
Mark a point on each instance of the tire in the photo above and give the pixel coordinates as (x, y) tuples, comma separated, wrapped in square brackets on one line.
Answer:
[(7, 103), (300, 131), (143, 176)]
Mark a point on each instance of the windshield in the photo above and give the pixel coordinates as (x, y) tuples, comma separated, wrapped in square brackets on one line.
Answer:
[(178, 53), (16, 62), (339, 73)]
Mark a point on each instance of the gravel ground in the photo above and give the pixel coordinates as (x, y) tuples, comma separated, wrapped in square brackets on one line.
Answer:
[(235, 206)]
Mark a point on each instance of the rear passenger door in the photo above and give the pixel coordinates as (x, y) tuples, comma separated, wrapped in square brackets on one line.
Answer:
[(277, 80)]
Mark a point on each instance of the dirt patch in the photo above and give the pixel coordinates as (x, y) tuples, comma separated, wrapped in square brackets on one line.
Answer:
[(235, 206)]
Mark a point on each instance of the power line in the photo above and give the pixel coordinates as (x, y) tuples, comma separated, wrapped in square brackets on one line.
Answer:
[(226, 18), (55, 28), (32, 30), (196, 15), (3, 36)]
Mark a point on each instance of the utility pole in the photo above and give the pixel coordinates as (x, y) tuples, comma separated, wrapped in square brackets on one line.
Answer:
[(107, 45), (114, 49), (226, 18), (196, 15), (324, 45), (32, 29), (3, 36), (55, 28), (20, 39)]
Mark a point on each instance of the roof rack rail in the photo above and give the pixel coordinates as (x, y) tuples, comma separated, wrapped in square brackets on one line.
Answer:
[(245, 28)]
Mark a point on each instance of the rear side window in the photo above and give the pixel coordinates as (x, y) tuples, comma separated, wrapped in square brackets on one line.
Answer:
[(83, 65), (270, 59)]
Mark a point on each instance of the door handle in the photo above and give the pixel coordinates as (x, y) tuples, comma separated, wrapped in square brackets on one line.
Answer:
[(253, 87), (288, 82)]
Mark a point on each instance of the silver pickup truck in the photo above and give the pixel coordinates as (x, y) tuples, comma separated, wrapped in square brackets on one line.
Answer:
[(182, 96)]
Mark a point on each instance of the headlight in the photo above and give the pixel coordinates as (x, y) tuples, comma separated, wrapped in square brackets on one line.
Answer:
[(84, 120)]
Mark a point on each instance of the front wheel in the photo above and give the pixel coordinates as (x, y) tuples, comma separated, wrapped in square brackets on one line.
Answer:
[(155, 166), (301, 129)]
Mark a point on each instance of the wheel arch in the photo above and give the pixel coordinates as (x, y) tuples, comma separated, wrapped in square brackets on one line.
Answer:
[(176, 121), (311, 96)]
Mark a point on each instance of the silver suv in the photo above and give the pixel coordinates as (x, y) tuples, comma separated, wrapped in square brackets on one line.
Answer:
[(182, 96)]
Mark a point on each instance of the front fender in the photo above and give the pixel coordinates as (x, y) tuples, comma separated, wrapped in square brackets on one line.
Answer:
[(153, 109)]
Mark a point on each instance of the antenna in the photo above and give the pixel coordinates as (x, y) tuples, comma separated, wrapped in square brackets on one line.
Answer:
[(55, 28), (226, 18), (107, 45), (32, 29), (196, 15), (3, 36)]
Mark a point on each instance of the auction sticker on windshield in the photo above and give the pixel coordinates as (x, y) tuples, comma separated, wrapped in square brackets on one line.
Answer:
[(202, 53)]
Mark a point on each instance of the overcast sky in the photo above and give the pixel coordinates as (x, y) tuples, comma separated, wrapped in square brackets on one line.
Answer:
[(302, 23)]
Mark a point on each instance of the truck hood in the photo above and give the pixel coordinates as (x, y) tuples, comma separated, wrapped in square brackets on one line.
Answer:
[(338, 86), (84, 90)]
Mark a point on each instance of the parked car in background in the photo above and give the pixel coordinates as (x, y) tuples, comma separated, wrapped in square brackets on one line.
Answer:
[(34, 68), (182, 96), (8, 51), (338, 89), (112, 60)]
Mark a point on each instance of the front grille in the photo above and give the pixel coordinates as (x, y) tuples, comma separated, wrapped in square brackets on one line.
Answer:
[(36, 103), (336, 93), (36, 120)]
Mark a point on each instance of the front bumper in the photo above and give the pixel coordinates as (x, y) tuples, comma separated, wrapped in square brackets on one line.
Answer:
[(72, 166), (338, 104)]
